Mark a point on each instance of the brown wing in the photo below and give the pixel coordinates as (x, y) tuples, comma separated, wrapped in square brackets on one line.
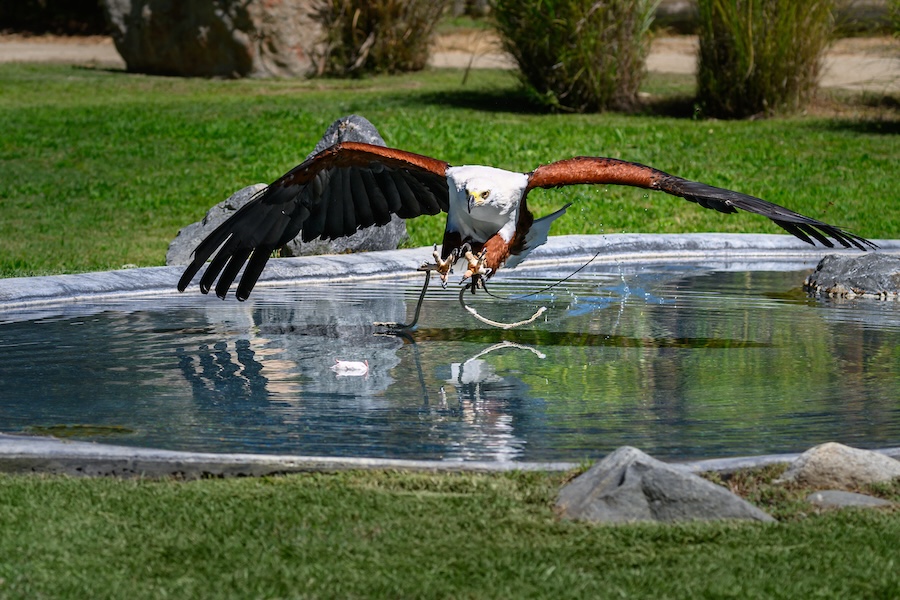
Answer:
[(346, 187), (593, 170)]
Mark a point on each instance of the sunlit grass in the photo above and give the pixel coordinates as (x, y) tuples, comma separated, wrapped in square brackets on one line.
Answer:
[(100, 169), (394, 535)]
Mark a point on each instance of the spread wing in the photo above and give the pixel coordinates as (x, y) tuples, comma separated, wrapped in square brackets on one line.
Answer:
[(346, 187), (593, 170)]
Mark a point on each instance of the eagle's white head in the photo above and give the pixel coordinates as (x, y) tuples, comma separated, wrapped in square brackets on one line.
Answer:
[(483, 200)]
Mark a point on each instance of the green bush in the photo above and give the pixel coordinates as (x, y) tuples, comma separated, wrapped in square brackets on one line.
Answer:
[(375, 36), (578, 55), (761, 57), (894, 9)]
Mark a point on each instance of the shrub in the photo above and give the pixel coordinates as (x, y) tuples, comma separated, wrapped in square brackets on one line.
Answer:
[(760, 57), (375, 36), (578, 55), (894, 11)]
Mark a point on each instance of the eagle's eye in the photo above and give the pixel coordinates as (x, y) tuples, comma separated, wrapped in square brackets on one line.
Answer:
[(485, 194)]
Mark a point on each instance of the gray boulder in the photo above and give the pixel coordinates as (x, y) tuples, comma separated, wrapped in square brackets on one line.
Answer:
[(352, 128), (872, 274), (214, 38), (836, 466), (629, 485), (842, 499)]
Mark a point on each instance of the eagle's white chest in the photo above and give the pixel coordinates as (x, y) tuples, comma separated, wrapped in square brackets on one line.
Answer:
[(496, 213)]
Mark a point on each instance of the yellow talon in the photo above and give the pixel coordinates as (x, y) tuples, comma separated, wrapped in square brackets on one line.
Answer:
[(443, 267), (476, 264)]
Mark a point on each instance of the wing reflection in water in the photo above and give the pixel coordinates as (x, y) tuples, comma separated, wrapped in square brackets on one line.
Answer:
[(272, 370), (287, 351)]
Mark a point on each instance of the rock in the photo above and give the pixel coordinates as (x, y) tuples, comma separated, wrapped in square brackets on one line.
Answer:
[(629, 485), (872, 274), (841, 499), (352, 128), (835, 466), (207, 38)]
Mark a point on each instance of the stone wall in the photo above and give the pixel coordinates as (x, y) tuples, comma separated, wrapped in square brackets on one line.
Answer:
[(213, 38)]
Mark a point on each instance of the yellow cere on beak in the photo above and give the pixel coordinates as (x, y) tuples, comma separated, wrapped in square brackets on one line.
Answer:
[(472, 200), (476, 198)]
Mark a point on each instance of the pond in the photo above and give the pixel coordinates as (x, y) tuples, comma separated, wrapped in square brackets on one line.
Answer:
[(685, 361)]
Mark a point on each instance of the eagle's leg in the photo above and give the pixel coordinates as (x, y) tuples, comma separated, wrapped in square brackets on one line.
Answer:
[(400, 328), (477, 271), (445, 266)]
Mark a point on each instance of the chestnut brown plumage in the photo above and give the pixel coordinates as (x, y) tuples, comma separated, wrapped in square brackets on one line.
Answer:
[(351, 185)]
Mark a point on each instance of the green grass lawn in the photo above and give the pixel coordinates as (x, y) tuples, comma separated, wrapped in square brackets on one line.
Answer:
[(394, 535), (99, 169)]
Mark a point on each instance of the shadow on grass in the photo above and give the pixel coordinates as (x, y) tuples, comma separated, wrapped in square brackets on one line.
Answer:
[(864, 112), (870, 126), (681, 106), (506, 100), (522, 102)]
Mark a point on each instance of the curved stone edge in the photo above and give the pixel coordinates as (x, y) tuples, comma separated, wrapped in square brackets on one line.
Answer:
[(31, 454), (612, 248), (27, 454)]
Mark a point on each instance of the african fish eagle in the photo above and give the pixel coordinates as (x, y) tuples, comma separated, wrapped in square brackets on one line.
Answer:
[(353, 185)]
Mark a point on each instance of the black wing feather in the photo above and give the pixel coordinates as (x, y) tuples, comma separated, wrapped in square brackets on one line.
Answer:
[(728, 201), (437, 200), (410, 206), (388, 187), (218, 263), (333, 204), (362, 203), (330, 195), (254, 269), (317, 206), (381, 207), (231, 270), (349, 226)]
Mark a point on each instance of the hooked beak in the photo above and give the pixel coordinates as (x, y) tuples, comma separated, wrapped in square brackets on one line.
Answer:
[(471, 202)]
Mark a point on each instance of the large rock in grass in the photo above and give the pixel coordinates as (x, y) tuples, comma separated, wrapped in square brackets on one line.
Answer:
[(872, 274), (836, 466), (352, 128), (214, 38), (629, 485)]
